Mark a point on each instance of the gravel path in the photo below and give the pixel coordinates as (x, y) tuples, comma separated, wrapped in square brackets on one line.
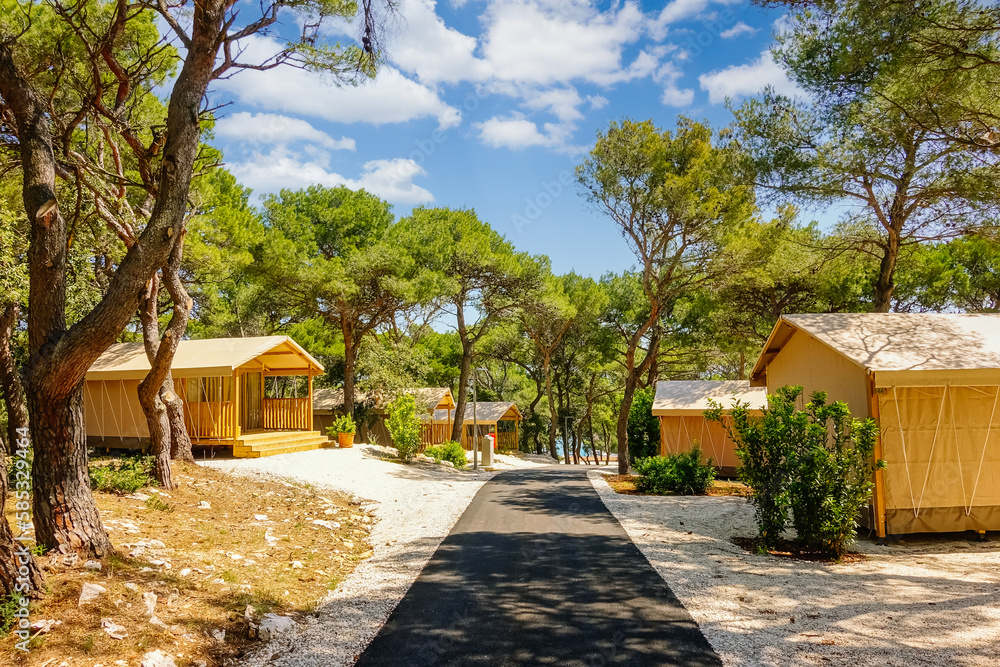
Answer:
[(416, 507), (919, 602)]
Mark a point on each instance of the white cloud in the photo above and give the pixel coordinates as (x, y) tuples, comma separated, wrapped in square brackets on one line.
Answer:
[(740, 80), (561, 102), (528, 42), (390, 98), (597, 101), (740, 28), (269, 128), (390, 179), (677, 97), (679, 10), (433, 51), (517, 132)]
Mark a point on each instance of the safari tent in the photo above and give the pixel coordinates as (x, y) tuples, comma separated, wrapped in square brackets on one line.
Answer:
[(932, 381), (329, 403), (500, 418), (251, 394), (680, 406)]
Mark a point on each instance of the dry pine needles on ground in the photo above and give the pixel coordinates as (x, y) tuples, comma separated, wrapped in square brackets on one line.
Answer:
[(219, 552), (626, 484)]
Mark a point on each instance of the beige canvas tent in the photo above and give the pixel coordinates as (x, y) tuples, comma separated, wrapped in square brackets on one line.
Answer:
[(329, 403), (932, 381), (498, 417), (223, 384), (680, 406)]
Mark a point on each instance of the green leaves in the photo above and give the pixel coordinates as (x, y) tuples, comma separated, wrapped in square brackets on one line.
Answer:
[(816, 463), (404, 426)]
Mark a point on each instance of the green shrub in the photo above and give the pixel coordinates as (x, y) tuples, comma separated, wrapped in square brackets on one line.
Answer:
[(643, 427), (9, 606), (682, 473), (404, 426), (343, 424), (449, 451), (814, 464), (124, 476)]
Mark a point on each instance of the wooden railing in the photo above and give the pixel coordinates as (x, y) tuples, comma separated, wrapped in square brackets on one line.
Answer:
[(507, 440), (286, 413), (434, 434), (209, 420)]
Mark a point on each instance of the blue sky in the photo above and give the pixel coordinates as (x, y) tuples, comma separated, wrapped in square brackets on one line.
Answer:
[(490, 104)]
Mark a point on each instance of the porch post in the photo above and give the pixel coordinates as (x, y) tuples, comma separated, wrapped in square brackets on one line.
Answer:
[(310, 417), (236, 409)]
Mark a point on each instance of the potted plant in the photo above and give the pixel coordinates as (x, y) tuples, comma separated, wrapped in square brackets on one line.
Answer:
[(344, 427)]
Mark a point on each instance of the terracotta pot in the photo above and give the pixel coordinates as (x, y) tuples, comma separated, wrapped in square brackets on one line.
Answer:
[(345, 439)]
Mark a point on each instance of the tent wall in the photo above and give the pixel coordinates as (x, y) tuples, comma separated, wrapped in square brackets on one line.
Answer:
[(678, 432), (943, 471), (807, 362), (112, 414)]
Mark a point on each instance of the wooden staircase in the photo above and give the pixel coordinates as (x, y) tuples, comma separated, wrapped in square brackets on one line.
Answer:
[(271, 443)]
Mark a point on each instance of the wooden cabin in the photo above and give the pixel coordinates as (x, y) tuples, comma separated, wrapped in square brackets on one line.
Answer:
[(329, 403), (932, 382), (680, 407), (253, 395), (501, 418)]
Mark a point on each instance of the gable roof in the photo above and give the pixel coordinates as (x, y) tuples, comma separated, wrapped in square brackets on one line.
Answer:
[(209, 357), (691, 397), (328, 398), (487, 412), (916, 349)]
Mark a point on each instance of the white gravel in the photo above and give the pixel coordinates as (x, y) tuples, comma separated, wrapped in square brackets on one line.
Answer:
[(919, 602), (416, 507)]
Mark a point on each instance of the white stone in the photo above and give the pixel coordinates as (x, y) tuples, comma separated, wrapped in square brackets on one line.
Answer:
[(138, 496), (132, 587), (332, 525), (274, 625), (447, 464), (157, 659), (90, 593), (149, 599), (94, 565), (219, 635), (260, 517), (44, 626), (185, 572), (234, 556), (204, 505), (296, 565), (114, 630)]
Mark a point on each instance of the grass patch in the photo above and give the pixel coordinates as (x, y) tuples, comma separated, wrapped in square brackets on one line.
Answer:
[(228, 557), (123, 476)]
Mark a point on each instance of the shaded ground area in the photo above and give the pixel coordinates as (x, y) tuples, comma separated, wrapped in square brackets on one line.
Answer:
[(537, 571)]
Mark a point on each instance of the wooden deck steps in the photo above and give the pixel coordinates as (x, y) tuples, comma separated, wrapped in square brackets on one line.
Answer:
[(271, 443)]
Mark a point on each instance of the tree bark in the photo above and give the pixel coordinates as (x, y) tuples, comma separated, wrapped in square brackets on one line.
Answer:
[(10, 377), (180, 439), (885, 284), (14, 554), (465, 370), (553, 413), (161, 356)]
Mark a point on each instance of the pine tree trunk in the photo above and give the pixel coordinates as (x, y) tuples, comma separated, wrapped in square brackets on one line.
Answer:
[(10, 377), (463, 392), (14, 554), (65, 514), (159, 432), (180, 439)]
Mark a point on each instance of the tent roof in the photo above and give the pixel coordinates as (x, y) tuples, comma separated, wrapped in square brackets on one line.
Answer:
[(902, 349), (432, 398), (209, 357), (487, 412), (691, 397)]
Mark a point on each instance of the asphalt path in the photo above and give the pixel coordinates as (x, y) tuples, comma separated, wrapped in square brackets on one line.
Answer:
[(538, 572)]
